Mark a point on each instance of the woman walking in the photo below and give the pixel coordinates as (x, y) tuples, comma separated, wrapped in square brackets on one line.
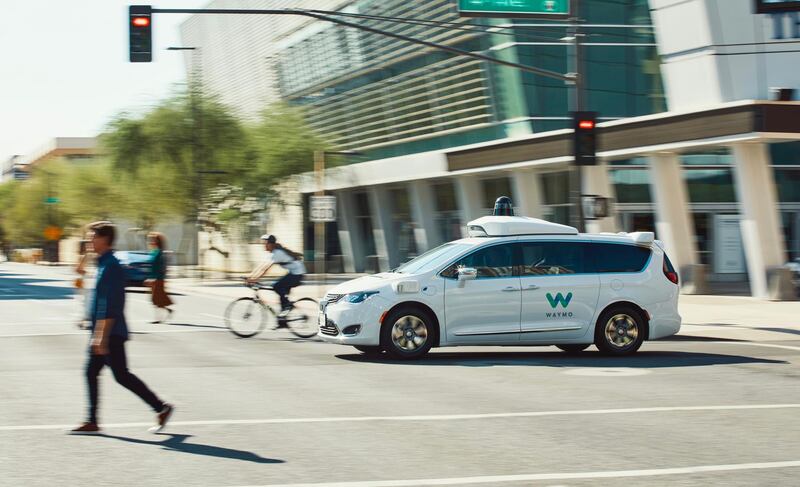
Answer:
[(158, 272)]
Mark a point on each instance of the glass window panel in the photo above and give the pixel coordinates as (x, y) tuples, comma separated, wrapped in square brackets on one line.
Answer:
[(552, 258), (785, 154), (619, 257), (631, 185), (556, 188), (719, 157), (710, 185), (494, 261), (788, 182)]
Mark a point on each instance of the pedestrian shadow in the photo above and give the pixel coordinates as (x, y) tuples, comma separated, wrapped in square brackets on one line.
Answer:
[(642, 359), (19, 286), (177, 442)]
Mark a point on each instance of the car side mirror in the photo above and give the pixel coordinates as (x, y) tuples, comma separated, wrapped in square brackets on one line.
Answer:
[(467, 273)]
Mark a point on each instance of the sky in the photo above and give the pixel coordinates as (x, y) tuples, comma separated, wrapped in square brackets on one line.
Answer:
[(64, 69)]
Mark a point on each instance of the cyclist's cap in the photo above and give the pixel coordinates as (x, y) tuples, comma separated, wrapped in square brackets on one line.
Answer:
[(269, 238)]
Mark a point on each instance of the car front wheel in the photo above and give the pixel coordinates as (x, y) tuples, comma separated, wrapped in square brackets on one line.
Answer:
[(407, 333)]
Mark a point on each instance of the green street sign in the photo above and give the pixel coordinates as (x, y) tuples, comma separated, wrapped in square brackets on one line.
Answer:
[(514, 8), (50, 200)]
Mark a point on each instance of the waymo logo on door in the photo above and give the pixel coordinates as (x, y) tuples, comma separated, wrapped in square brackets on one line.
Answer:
[(555, 301), (559, 299)]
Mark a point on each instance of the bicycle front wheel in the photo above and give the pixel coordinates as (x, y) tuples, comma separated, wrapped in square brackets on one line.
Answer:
[(302, 319), (246, 317)]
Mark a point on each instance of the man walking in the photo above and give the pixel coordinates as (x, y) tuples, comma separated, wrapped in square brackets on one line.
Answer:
[(110, 332)]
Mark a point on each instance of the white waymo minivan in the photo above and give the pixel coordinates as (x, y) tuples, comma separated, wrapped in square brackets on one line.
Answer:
[(514, 281)]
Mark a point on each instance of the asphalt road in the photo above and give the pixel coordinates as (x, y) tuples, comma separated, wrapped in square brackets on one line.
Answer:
[(274, 410)]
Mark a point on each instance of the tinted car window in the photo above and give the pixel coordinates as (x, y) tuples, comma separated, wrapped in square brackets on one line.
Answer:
[(551, 258), (494, 261), (610, 257)]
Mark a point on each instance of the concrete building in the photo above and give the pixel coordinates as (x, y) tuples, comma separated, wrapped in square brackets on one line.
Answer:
[(691, 145), (13, 170)]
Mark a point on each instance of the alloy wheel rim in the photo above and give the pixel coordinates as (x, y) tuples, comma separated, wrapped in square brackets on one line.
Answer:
[(409, 333), (621, 331)]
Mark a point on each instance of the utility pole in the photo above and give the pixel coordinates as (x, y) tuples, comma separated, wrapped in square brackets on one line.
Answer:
[(578, 104), (319, 227)]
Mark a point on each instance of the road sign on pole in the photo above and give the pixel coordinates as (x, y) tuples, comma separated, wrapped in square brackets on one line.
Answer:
[(323, 209), (558, 9)]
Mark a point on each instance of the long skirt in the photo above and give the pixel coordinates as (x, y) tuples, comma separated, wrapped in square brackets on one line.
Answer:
[(160, 297)]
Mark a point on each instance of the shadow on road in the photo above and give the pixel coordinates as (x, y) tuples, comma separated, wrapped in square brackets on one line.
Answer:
[(644, 360), (178, 442), (19, 286)]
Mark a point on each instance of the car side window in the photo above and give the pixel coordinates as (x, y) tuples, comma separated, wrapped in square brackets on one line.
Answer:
[(551, 258), (493, 261), (611, 257)]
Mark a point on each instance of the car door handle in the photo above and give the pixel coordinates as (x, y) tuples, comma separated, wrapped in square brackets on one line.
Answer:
[(532, 287), (510, 289)]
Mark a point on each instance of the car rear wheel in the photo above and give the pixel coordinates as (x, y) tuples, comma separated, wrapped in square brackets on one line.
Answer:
[(573, 349), (620, 331), (407, 333)]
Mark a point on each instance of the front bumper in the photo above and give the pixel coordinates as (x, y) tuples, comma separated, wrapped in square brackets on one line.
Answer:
[(340, 316)]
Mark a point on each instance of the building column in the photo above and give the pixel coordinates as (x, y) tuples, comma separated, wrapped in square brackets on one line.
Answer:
[(674, 223), (426, 235), (764, 248), (350, 238), (380, 208), (527, 194), (595, 181), (469, 196)]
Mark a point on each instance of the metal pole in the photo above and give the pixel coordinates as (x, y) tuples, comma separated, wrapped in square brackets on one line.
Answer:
[(579, 104), (320, 253)]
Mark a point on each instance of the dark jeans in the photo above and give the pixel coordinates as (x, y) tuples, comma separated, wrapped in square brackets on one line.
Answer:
[(118, 362), (285, 284)]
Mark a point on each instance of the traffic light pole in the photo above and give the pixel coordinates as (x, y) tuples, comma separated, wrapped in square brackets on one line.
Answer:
[(579, 105)]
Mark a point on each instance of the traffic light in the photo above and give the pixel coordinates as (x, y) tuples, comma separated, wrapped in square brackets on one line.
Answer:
[(584, 144), (140, 23)]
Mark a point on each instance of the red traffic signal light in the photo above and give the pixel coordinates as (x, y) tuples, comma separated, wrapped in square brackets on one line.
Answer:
[(584, 143), (141, 33), (141, 21)]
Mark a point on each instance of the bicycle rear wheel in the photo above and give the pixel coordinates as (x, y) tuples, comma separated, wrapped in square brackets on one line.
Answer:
[(246, 317), (302, 319)]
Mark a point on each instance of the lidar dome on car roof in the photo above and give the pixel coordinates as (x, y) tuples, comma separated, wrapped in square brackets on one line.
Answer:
[(503, 226)]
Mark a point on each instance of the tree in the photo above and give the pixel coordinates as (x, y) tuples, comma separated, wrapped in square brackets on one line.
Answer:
[(282, 145), (176, 145)]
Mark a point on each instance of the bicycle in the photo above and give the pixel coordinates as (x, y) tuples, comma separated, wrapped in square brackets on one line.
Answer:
[(249, 316)]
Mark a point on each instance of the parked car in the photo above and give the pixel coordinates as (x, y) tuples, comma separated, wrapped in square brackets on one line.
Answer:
[(136, 265), (514, 281)]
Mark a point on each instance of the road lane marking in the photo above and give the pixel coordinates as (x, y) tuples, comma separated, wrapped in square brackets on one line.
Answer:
[(211, 328), (434, 417), (757, 344), (652, 472)]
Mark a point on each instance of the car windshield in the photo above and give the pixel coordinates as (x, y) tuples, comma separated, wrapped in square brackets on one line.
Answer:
[(432, 258)]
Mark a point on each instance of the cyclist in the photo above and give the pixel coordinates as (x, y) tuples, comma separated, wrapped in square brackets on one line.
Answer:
[(290, 261)]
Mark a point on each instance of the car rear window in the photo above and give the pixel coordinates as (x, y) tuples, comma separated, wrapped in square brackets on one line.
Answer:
[(609, 257)]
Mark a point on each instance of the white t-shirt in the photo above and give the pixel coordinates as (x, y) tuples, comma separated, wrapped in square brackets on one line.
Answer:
[(293, 266)]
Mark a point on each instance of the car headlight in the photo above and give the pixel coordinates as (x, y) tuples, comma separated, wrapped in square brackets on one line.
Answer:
[(359, 297)]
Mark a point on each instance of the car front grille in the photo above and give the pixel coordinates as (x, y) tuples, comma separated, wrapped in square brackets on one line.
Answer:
[(329, 328)]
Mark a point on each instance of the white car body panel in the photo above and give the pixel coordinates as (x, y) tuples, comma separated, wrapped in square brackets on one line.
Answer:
[(510, 310)]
